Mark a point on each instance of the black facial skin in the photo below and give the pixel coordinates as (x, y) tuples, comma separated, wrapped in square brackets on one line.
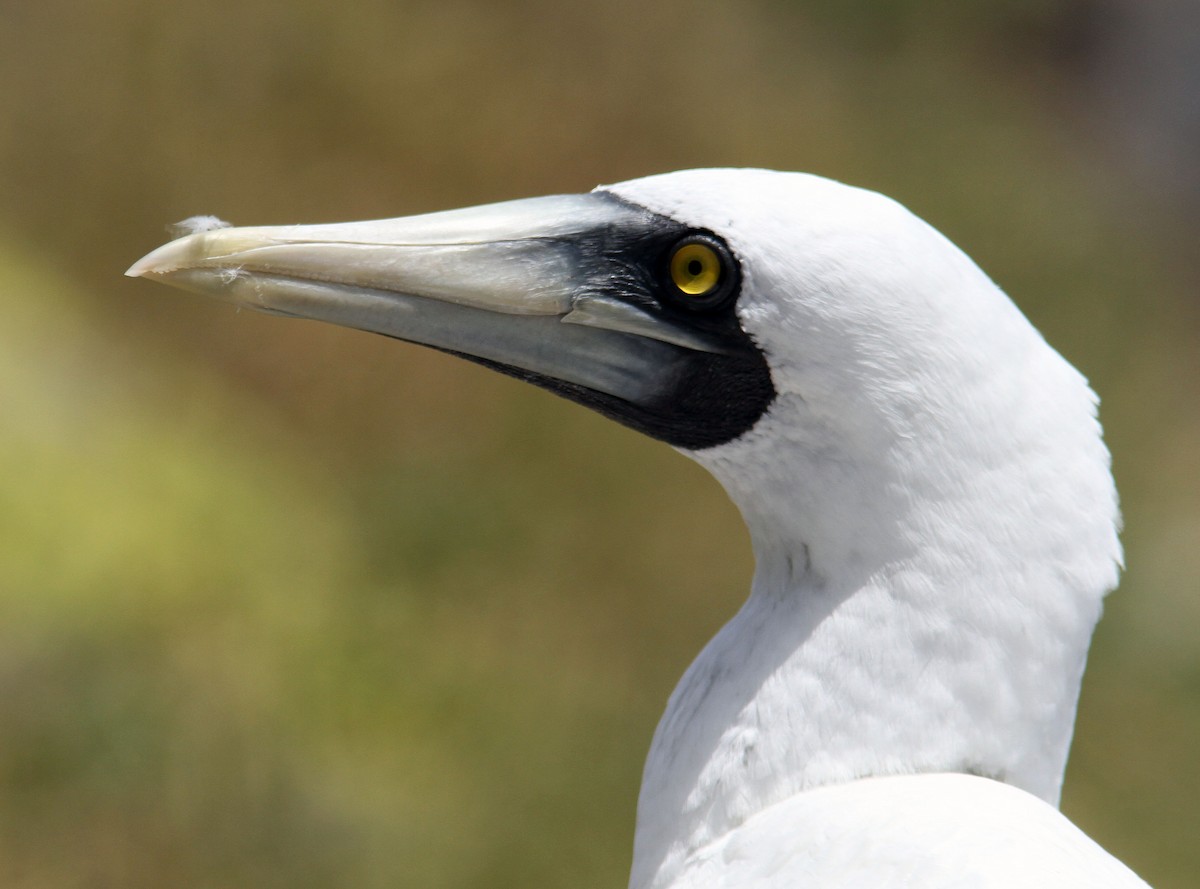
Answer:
[(708, 399)]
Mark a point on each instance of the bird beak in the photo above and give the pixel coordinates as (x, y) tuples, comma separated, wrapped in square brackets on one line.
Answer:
[(505, 283), (543, 289)]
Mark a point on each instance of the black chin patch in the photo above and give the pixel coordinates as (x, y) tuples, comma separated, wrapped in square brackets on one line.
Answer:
[(715, 399), (704, 399)]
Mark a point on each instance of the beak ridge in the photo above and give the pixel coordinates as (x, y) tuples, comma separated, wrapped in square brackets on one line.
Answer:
[(493, 283), (565, 292)]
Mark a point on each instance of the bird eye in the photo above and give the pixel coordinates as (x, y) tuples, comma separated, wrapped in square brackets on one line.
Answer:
[(701, 272)]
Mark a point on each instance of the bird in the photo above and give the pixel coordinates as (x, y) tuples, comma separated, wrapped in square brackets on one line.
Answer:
[(924, 480)]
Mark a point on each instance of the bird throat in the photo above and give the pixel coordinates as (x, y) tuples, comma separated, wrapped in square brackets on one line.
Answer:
[(920, 652)]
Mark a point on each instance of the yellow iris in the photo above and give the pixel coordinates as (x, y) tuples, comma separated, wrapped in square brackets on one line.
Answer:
[(696, 269)]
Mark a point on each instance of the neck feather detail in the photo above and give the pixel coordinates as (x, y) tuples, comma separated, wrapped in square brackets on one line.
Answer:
[(915, 609), (932, 513)]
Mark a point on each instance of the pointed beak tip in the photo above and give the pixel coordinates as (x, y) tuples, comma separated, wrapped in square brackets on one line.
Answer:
[(140, 268), (170, 257)]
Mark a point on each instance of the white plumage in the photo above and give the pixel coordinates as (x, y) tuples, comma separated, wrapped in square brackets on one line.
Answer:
[(927, 491), (908, 832), (934, 526)]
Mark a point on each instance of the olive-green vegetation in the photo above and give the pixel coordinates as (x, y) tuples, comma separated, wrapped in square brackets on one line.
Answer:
[(284, 605)]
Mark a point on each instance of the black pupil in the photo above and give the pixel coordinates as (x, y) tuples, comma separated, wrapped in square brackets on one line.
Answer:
[(695, 267)]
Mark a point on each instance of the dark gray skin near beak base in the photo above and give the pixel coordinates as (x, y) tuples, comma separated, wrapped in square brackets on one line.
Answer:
[(570, 292)]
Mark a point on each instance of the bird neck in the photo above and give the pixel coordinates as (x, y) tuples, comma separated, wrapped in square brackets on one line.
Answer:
[(914, 617)]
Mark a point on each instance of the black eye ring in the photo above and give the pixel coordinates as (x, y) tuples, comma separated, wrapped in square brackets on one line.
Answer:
[(700, 274)]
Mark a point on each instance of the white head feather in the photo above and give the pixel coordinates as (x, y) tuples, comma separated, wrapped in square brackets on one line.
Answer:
[(932, 511)]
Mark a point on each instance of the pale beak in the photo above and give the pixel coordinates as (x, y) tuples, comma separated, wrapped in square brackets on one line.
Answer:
[(543, 289)]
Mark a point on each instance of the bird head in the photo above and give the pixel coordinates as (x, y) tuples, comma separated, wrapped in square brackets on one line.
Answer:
[(804, 340)]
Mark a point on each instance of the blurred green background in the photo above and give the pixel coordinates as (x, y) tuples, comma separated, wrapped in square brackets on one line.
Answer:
[(287, 605)]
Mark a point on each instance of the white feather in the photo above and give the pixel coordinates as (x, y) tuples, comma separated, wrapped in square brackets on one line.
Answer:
[(195, 224), (934, 524), (911, 831)]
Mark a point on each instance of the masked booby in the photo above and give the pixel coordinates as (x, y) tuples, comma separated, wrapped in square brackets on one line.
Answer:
[(928, 495)]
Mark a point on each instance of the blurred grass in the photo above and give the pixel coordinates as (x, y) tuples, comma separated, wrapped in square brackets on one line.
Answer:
[(288, 605)]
